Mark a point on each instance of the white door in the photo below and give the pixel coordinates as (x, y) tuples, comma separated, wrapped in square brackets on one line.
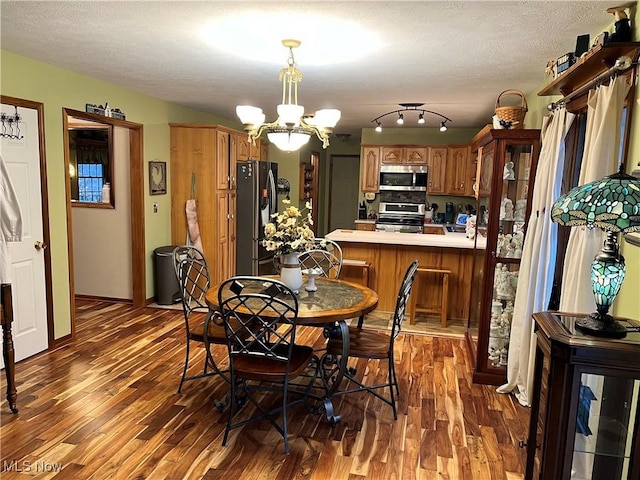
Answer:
[(22, 158)]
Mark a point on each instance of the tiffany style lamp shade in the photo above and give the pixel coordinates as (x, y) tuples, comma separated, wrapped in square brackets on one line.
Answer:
[(612, 204)]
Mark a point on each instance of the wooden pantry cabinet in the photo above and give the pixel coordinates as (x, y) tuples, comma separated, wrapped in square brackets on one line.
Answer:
[(203, 166)]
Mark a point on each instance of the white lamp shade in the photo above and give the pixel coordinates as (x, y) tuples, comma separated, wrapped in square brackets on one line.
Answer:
[(326, 118), (289, 114), (288, 142), (250, 115)]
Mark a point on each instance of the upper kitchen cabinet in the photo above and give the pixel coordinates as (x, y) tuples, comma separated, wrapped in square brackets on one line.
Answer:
[(370, 158), (264, 151), (508, 160), (245, 150), (436, 170), (404, 154), (460, 171)]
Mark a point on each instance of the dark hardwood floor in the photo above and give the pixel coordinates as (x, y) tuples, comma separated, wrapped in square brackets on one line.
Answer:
[(107, 407)]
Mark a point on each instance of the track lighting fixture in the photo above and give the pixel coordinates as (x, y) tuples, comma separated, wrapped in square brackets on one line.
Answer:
[(409, 107)]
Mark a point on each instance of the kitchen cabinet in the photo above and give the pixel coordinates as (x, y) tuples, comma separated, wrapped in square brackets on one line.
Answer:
[(451, 168), (225, 259), (460, 173), (404, 155), (367, 225), (502, 220), (225, 154), (370, 161), (436, 170), (585, 415), (245, 150), (205, 155)]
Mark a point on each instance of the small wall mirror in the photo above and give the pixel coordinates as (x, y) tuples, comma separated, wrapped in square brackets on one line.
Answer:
[(90, 154)]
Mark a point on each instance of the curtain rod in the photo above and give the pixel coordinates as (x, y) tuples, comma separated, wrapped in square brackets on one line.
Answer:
[(622, 63)]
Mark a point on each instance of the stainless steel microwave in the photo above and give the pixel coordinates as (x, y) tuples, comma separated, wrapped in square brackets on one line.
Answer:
[(403, 177)]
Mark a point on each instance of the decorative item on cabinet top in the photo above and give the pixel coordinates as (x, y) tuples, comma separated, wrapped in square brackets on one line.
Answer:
[(510, 116), (105, 111)]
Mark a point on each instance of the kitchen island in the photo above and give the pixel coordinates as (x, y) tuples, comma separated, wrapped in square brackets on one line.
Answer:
[(389, 254)]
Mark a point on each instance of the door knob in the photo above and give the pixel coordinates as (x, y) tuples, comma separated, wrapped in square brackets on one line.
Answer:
[(40, 245)]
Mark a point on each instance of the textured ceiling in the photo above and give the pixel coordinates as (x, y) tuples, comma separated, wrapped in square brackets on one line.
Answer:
[(456, 57)]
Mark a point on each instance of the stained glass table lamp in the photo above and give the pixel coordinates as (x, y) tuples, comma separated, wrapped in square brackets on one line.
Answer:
[(612, 204)]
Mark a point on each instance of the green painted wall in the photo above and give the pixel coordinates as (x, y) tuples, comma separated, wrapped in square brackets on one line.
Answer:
[(57, 88), (417, 136)]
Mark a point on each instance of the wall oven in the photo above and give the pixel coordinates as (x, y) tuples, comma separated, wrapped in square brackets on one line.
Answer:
[(403, 177)]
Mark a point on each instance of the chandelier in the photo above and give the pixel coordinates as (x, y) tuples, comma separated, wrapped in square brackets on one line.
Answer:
[(411, 107), (293, 128)]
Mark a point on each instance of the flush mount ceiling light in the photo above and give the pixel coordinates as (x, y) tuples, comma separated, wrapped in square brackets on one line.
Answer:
[(411, 107), (292, 129), (256, 35)]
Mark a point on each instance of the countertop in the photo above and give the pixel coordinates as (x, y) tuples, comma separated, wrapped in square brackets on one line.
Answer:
[(449, 240)]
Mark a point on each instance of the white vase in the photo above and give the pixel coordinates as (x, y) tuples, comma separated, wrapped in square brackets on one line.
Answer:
[(290, 272)]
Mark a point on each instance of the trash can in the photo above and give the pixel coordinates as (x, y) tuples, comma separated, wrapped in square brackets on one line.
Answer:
[(167, 287)]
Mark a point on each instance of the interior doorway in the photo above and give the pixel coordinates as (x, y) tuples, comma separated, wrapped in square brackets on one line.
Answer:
[(344, 175), (136, 196)]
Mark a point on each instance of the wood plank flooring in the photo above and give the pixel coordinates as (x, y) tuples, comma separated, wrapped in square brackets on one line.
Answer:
[(106, 407)]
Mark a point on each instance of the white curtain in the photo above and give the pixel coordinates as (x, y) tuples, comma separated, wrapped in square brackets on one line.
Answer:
[(601, 151), (538, 256)]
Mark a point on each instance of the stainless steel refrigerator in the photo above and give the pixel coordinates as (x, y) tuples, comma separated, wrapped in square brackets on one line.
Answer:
[(257, 200)]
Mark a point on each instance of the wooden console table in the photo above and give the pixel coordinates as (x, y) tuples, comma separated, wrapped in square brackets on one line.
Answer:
[(8, 352)]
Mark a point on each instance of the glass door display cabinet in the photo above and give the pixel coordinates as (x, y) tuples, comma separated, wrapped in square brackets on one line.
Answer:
[(506, 167), (585, 416)]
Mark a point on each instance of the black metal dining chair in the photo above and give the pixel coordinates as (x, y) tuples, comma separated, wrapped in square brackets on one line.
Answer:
[(321, 260), (376, 345), (194, 279), (260, 328)]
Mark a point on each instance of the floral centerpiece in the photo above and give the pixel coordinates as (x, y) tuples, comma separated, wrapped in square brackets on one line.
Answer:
[(289, 234), (290, 231)]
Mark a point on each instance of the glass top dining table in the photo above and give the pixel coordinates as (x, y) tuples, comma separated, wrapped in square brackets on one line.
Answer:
[(334, 300), (333, 303)]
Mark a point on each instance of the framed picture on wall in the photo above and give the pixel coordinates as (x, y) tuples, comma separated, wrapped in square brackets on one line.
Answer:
[(157, 178)]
